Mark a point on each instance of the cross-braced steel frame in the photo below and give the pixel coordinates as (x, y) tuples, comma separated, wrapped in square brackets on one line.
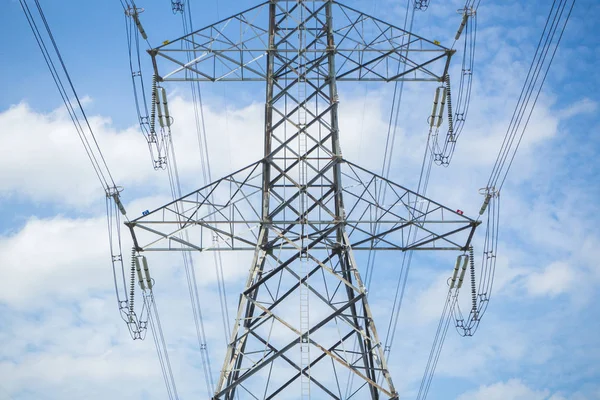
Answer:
[(303, 319)]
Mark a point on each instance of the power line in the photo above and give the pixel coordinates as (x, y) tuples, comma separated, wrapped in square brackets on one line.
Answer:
[(538, 91), (539, 67), (7, 393), (164, 156), (503, 165), (114, 207), (161, 349), (84, 130), (200, 122), (481, 294), (385, 172)]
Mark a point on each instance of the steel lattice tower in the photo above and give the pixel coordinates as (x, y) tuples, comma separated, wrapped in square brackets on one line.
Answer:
[(303, 325)]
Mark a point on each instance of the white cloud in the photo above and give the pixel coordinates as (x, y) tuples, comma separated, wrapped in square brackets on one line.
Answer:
[(57, 256), (87, 269), (48, 162), (513, 389), (66, 350), (554, 279), (583, 106), (516, 389), (64, 258)]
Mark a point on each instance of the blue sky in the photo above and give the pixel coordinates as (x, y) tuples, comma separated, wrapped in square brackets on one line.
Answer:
[(60, 331)]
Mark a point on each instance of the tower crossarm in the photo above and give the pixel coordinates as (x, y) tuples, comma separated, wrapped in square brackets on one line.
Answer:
[(222, 215), (236, 48), (383, 215), (226, 215)]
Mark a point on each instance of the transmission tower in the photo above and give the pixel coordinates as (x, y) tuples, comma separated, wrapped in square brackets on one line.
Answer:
[(303, 324)]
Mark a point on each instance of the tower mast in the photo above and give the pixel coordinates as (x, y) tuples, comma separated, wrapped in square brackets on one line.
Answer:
[(303, 318)]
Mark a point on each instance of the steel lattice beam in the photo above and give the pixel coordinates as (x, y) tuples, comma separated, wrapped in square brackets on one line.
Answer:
[(236, 48), (227, 213), (302, 209)]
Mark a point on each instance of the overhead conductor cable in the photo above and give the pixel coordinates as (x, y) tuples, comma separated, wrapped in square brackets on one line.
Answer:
[(114, 205)]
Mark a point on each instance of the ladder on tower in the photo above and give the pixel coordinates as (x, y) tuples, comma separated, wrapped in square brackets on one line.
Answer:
[(302, 134), (304, 329), (302, 104), (303, 178)]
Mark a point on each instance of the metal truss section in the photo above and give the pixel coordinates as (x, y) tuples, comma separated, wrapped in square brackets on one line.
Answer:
[(405, 221), (226, 215), (266, 356), (236, 48), (223, 215)]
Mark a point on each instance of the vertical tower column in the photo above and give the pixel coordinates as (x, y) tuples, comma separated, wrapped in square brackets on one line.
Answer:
[(303, 208)]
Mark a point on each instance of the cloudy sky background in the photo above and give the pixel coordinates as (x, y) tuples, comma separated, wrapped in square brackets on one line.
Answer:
[(60, 333)]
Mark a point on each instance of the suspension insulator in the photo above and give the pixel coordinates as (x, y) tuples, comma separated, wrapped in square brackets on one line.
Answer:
[(455, 273), (450, 117), (159, 111), (153, 106), (139, 24), (166, 107), (132, 286), (434, 109), (484, 206), (440, 116), (146, 272), (462, 272), (462, 25), (138, 269), (119, 204), (473, 290)]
